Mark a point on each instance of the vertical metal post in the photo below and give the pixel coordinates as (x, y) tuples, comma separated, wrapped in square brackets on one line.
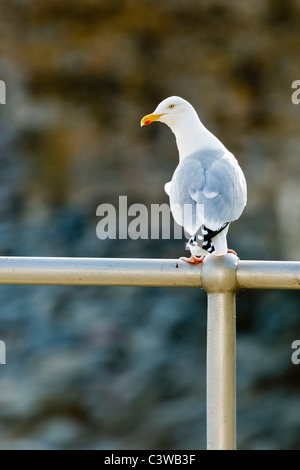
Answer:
[(221, 371), (220, 282)]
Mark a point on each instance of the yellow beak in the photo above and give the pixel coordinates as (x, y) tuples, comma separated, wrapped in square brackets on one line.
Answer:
[(150, 118)]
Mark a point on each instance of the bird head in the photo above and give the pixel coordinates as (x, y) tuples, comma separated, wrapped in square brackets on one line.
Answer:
[(171, 111)]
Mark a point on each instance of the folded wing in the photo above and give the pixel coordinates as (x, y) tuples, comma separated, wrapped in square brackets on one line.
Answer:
[(208, 188)]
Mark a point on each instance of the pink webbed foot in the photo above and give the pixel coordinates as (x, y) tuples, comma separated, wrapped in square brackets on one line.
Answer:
[(232, 251), (193, 259)]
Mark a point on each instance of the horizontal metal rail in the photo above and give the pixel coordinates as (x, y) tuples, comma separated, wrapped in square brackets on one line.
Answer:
[(142, 272), (268, 275), (98, 271), (219, 276)]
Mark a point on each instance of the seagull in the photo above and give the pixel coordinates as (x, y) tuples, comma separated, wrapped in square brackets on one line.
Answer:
[(208, 189)]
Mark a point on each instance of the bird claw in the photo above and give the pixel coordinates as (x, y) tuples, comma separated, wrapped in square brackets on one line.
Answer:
[(232, 252), (193, 259)]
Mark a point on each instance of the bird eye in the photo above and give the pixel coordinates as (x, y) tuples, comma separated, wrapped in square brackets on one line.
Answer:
[(171, 106)]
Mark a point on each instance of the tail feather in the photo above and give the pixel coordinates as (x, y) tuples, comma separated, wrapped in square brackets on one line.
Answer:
[(203, 239)]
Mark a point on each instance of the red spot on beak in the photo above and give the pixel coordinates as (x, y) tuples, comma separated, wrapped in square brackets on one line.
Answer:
[(147, 122)]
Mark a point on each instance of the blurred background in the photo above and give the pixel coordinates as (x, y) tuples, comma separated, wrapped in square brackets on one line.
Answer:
[(124, 368)]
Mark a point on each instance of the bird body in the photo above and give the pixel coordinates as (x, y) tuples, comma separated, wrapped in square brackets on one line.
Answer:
[(208, 188)]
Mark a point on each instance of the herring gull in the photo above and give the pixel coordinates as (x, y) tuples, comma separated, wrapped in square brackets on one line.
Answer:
[(208, 188)]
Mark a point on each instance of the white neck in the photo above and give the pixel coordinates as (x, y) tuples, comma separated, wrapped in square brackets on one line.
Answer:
[(193, 136)]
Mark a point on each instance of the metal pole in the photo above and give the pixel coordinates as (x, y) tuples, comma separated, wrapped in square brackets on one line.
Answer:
[(268, 275), (98, 272), (219, 276), (221, 371), (143, 272), (219, 281)]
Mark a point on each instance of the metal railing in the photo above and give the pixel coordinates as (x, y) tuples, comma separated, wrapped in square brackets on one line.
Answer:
[(221, 277)]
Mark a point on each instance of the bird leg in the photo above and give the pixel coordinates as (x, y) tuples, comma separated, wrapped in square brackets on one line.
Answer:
[(193, 259)]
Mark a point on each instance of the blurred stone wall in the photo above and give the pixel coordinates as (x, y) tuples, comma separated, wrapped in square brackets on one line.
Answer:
[(124, 368)]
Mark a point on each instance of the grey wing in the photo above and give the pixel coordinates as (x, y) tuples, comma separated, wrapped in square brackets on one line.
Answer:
[(208, 188)]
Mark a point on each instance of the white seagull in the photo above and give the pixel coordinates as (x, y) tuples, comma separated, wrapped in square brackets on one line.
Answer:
[(208, 189)]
